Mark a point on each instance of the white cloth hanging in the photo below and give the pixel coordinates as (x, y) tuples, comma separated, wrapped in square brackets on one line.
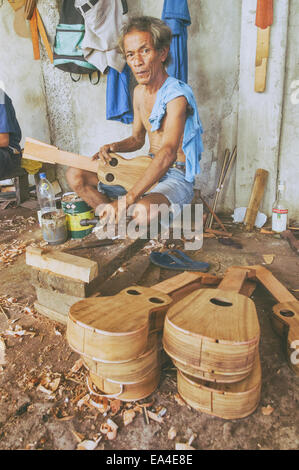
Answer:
[(104, 20)]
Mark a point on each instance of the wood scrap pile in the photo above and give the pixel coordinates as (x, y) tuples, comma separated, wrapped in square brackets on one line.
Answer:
[(9, 251), (17, 224), (60, 280)]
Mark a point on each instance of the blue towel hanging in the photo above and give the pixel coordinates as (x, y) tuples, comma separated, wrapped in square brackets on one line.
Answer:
[(118, 98), (176, 15)]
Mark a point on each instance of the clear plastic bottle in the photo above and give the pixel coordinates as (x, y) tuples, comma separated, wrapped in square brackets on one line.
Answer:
[(280, 210), (45, 195)]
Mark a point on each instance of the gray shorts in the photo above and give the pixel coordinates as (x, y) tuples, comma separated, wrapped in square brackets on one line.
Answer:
[(172, 185)]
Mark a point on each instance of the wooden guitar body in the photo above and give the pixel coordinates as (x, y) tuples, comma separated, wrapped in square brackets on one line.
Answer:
[(285, 319), (209, 376), (115, 328), (123, 171), (128, 372), (228, 401), (285, 316), (125, 392), (213, 331)]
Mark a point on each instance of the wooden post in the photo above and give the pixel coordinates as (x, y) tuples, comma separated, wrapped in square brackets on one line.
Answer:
[(257, 193)]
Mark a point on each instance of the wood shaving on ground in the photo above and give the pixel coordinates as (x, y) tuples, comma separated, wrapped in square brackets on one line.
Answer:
[(49, 384), (154, 245), (268, 259), (109, 429), (100, 403), (128, 416), (7, 303), (17, 331), (88, 444), (172, 433), (182, 446), (17, 224), (77, 366), (155, 417), (267, 410), (10, 251), (2, 352), (115, 406), (79, 437), (180, 400)]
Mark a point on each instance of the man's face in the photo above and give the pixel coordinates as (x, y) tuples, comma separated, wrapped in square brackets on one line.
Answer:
[(145, 61)]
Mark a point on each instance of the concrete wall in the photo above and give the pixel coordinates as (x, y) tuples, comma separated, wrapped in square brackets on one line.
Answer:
[(22, 78), (71, 115), (288, 164)]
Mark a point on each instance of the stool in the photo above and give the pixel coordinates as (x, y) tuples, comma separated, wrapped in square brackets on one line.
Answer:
[(21, 183)]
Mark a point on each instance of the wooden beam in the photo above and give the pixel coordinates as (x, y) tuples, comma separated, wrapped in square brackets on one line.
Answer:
[(257, 193), (64, 264)]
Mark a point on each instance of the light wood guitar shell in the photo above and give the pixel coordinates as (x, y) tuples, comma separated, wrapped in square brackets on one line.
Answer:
[(213, 331), (115, 328), (228, 401)]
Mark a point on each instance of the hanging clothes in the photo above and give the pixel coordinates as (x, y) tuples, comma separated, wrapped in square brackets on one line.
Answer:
[(176, 15), (118, 98), (103, 20)]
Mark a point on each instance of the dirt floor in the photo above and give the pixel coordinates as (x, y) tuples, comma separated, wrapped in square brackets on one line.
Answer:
[(41, 398)]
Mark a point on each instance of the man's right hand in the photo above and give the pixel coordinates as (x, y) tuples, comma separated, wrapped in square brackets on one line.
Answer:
[(103, 153)]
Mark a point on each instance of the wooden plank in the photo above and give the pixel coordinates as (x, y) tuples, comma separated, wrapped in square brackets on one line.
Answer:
[(257, 193), (261, 60), (64, 264), (52, 314), (34, 36), (44, 36), (132, 273), (64, 285), (109, 259), (56, 301)]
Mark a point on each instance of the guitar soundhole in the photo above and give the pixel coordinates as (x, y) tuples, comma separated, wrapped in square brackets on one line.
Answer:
[(109, 177), (155, 300), (113, 161), (287, 313), (221, 302), (133, 292)]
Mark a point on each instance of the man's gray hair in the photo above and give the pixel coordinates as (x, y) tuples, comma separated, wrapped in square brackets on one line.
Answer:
[(160, 32)]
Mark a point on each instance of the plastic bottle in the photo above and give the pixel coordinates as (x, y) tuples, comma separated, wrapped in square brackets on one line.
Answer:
[(280, 210), (45, 195)]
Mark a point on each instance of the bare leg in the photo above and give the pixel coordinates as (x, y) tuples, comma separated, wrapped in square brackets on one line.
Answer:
[(147, 210), (84, 183)]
